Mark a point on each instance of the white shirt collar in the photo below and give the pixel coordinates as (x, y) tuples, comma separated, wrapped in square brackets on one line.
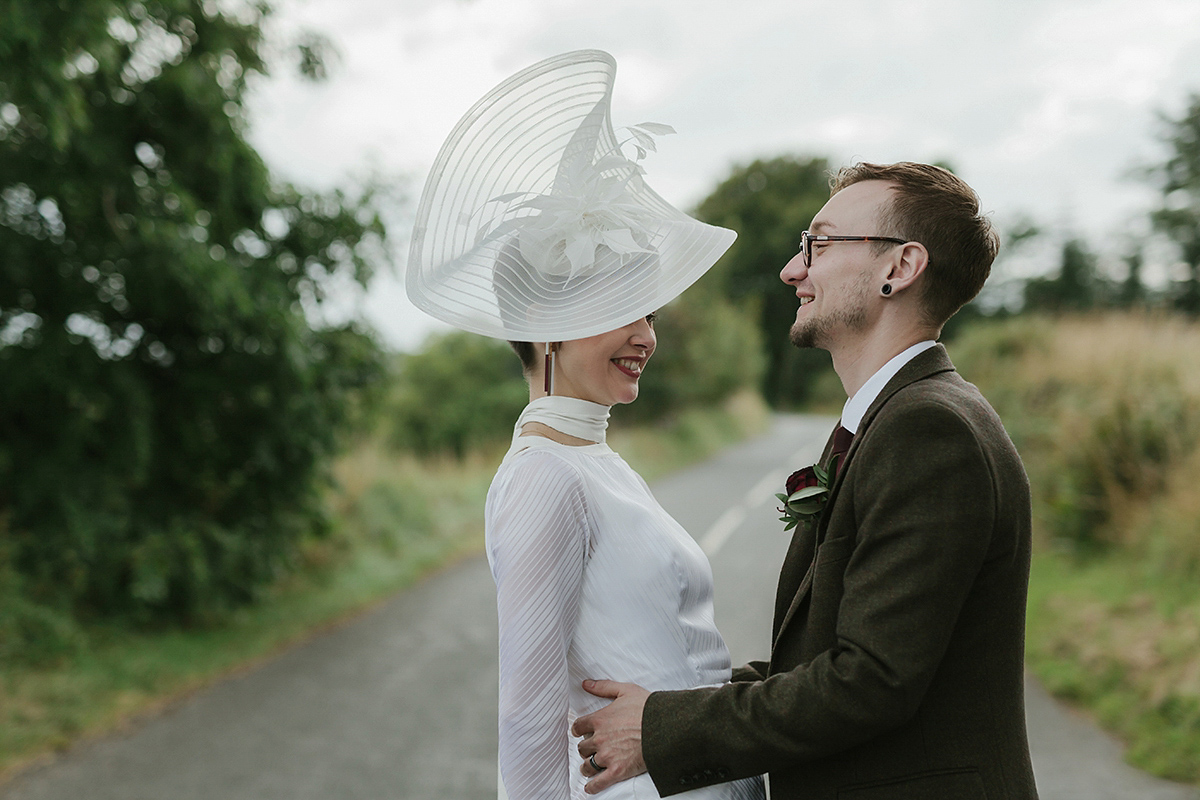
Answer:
[(852, 412)]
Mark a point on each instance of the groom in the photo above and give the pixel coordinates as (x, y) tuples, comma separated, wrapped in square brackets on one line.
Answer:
[(897, 663)]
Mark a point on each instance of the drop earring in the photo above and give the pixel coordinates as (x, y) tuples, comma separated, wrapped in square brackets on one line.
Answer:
[(551, 347)]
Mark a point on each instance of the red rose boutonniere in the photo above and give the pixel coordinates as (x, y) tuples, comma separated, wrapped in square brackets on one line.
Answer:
[(807, 491)]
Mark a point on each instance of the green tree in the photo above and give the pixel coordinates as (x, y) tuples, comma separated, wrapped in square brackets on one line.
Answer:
[(708, 349), (460, 391), (1076, 287), (769, 203), (1178, 178), (167, 411), (1132, 291)]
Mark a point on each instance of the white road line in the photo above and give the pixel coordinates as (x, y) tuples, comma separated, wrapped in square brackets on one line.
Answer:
[(722, 529), (765, 489), (732, 519)]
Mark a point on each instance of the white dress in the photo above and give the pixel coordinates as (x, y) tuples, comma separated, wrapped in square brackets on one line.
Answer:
[(594, 579)]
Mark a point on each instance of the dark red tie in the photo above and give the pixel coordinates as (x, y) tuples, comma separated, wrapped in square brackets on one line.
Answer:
[(841, 443)]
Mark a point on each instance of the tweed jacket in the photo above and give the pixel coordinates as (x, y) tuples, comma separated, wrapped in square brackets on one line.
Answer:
[(898, 657)]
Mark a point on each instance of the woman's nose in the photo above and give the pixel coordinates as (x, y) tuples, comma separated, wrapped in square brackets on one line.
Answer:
[(642, 334)]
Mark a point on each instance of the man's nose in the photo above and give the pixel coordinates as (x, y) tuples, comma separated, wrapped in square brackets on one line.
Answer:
[(794, 271)]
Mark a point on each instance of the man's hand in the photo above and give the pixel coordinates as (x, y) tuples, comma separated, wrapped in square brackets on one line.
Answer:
[(612, 735)]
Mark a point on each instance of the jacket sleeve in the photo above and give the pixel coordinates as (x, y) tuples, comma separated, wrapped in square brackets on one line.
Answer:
[(537, 538), (753, 671), (923, 510)]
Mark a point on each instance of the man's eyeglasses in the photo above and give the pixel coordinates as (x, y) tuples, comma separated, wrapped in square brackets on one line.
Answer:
[(807, 239)]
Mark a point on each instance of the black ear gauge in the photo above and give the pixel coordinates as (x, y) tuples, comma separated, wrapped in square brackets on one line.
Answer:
[(886, 290)]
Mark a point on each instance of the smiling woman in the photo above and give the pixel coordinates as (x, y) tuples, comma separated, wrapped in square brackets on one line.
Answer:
[(536, 227), (603, 369)]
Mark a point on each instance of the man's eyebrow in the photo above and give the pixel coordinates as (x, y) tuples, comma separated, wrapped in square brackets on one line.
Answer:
[(817, 227)]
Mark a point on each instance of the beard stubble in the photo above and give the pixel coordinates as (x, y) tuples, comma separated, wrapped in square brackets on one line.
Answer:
[(852, 316)]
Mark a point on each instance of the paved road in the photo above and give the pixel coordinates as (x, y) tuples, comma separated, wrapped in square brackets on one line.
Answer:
[(400, 704)]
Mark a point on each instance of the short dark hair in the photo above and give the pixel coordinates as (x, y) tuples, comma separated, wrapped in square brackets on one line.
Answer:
[(935, 207), (525, 352)]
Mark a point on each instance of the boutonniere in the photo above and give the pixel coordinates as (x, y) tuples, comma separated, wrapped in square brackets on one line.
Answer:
[(807, 490)]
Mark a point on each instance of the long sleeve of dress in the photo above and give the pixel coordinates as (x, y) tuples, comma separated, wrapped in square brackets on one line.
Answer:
[(537, 538)]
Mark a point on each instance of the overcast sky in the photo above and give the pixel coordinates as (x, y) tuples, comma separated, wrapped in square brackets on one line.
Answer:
[(1044, 106)]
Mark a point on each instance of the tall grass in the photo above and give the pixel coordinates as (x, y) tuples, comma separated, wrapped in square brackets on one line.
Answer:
[(1106, 414)]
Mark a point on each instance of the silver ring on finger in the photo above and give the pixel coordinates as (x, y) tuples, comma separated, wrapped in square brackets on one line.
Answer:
[(595, 766)]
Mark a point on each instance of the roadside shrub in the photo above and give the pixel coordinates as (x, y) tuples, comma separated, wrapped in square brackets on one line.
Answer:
[(31, 632), (462, 391), (1104, 411), (393, 514), (709, 349), (1117, 453), (1166, 530)]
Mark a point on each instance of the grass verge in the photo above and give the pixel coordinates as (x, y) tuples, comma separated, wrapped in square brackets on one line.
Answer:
[(1124, 645), (398, 518), (1106, 414)]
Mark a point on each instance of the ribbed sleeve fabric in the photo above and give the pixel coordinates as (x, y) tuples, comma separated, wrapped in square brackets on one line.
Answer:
[(537, 543)]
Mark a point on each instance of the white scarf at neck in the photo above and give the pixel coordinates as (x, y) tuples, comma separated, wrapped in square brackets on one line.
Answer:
[(570, 415)]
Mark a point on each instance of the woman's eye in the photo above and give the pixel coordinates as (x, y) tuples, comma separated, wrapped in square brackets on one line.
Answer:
[(651, 317)]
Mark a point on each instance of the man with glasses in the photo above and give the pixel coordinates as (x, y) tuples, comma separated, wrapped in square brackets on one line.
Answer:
[(898, 656)]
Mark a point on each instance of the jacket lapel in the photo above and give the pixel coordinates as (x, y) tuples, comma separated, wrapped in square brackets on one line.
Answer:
[(924, 365), (792, 577)]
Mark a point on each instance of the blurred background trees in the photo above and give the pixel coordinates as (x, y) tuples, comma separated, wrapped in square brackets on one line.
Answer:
[(769, 203), (173, 384), (168, 402), (708, 349), (1178, 217), (1076, 286), (461, 391)]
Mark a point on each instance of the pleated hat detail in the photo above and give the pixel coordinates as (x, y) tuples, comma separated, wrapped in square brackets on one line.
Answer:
[(536, 224)]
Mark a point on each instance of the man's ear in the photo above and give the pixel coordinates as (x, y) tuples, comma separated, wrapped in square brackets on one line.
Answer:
[(907, 266)]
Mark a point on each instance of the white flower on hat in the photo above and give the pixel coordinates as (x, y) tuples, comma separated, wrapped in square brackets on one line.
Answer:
[(591, 205)]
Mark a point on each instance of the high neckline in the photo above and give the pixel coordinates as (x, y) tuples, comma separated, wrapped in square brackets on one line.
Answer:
[(570, 415)]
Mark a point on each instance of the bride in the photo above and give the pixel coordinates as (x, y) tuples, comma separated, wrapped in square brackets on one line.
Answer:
[(535, 227), (593, 577)]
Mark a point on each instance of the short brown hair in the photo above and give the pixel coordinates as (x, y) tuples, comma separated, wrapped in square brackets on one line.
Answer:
[(935, 207)]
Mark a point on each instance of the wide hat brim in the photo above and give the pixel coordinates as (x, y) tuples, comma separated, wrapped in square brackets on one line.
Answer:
[(535, 226)]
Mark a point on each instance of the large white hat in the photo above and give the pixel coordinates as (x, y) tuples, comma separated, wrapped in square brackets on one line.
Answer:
[(536, 226)]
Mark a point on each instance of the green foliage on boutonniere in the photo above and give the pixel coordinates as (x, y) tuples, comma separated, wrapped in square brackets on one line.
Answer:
[(807, 491)]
